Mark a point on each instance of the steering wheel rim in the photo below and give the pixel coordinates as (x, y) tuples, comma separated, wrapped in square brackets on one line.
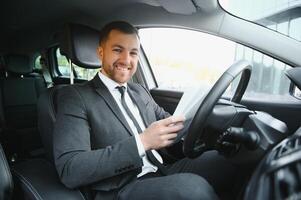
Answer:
[(195, 131)]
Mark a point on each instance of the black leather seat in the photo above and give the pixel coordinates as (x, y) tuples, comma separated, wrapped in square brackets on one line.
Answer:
[(6, 182), (78, 43), (38, 178), (34, 178), (20, 91), (46, 116)]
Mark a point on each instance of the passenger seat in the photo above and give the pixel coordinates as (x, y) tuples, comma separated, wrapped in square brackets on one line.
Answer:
[(6, 181), (20, 91)]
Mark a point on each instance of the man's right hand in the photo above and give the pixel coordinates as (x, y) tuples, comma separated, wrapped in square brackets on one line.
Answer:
[(161, 133)]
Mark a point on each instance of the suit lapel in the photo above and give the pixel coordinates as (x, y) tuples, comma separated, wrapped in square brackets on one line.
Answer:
[(140, 104), (103, 91)]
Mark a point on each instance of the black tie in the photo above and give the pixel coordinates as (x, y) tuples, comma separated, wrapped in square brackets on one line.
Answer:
[(149, 154)]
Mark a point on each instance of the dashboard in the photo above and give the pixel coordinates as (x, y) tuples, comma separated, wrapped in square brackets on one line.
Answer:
[(278, 176)]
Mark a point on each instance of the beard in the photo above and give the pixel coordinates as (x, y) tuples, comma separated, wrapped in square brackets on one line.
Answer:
[(118, 72)]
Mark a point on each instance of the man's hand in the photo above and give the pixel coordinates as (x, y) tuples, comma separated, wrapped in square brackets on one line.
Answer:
[(161, 133)]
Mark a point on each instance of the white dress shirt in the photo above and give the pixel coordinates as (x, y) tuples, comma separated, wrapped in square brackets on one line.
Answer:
[(111, 85)]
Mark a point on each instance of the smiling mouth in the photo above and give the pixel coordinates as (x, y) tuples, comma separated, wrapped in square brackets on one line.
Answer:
[(122, 68)]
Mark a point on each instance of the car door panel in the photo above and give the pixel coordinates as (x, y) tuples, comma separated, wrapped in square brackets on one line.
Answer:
[(167, 99), (287, 111)]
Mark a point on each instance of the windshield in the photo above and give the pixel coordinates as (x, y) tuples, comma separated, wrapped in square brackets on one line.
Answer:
[(283, 16)]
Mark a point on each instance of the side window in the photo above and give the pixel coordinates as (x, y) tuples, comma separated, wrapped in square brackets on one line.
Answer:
[(182, 59), (37, 64), (297, 93), (64, 69), (63, 64)]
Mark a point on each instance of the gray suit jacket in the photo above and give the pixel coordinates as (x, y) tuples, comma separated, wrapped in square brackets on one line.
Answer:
[(93, 143)]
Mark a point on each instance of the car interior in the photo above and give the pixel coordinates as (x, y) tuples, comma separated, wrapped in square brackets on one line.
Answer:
[(250, 114)]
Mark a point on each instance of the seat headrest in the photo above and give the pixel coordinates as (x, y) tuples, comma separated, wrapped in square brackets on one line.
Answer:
[(79, 43), (19, 64)]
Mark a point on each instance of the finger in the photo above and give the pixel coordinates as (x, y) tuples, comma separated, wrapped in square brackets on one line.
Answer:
[(168, 143), (175, 128), (171, 129), (169, 136), (173, 120), (178, 118)]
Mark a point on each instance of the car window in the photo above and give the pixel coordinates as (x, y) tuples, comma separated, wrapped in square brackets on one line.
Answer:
[(182, 59), (37, 64), (282, 16), (64, 68), (297, 93)]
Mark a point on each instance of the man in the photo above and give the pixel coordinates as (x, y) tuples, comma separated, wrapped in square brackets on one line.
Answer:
[(107, 131)]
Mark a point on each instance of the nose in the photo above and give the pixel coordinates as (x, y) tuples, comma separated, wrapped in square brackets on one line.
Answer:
[(125, 57)]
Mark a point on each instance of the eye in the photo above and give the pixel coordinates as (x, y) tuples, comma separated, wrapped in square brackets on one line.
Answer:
[(117, 50), (134, 53)]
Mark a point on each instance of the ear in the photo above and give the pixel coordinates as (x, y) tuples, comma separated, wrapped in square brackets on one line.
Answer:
[(99, 52)]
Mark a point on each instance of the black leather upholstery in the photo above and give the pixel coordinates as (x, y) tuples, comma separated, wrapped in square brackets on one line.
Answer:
[(20, 64), (20, 92), (46, 112), (79, 43), (46, 116), (39, 181), (6, 183), (38, 178)]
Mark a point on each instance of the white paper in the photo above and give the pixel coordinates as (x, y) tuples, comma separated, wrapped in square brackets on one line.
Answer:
[(188, 105), (190, 102)]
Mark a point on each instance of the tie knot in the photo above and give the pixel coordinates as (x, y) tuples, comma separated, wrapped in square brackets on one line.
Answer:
[(121, 89)]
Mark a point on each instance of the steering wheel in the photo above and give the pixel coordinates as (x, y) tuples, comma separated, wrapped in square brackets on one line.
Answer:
[(195, 142)]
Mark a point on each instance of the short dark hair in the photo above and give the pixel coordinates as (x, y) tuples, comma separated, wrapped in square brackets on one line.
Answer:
[(121, 26)]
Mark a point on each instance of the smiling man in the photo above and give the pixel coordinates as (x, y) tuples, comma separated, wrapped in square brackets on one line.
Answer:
[(108, 131), (119, 55)]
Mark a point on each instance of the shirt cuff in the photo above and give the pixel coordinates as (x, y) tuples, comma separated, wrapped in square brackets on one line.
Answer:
[(140, 146)]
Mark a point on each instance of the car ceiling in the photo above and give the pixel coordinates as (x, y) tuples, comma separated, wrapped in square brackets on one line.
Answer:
[(31, 24)]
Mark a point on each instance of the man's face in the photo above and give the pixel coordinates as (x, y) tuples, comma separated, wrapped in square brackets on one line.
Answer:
[(119, 56)]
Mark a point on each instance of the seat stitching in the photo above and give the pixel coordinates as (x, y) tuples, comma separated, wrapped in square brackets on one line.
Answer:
[(29, 185), (7, 170)]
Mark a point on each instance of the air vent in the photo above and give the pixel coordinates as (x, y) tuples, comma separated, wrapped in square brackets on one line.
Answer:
[(285, 183), (287, 147)]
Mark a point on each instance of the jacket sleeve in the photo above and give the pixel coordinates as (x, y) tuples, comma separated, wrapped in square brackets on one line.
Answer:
[(78, 165), (159, 111)]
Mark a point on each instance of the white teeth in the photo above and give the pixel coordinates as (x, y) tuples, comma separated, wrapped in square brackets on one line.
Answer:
[(122, 68)]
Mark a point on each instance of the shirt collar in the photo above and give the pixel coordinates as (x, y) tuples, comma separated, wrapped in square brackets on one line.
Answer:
[(109, 83)]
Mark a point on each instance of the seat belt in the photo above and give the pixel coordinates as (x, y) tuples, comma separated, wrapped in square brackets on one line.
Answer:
[(45, 72), (71, 69)]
